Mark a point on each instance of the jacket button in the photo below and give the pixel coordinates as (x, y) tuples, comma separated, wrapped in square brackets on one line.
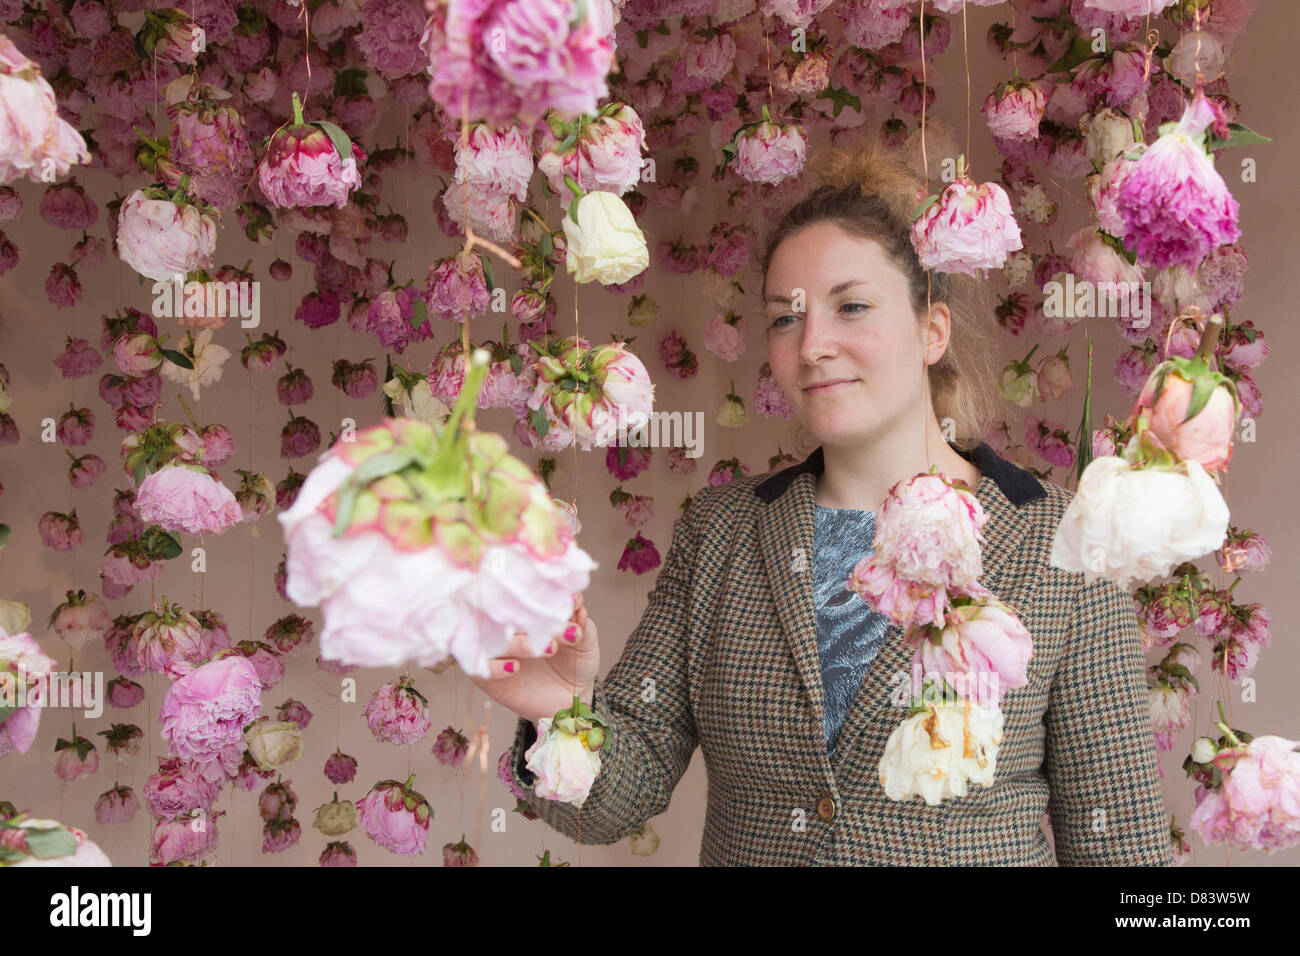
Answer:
[(826, 808)]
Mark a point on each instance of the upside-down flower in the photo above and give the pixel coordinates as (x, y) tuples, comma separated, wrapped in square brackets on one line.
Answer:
[(396, 816), (163, 232), (1131, 524), (309, 164), (940, 750), (424, 541), (508, 61), (599, 153), (22, 661), (566, 754), (30, 841), (967, 227), (1014, 109), (1175, 206), (397, 713), (602, 240), (187, 498), (588, 394), (926, 548), (80, 617), (1256, 805), (767, 152), (981, 650), (35, 139), (205, 711)]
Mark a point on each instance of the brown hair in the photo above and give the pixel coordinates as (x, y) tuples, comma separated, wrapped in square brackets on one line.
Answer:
[(873, 195)]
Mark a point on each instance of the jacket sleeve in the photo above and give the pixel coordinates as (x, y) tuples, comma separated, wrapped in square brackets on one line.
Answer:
[(1105, 801), (645, 700)]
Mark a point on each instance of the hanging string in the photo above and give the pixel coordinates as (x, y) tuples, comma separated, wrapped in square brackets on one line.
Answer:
[(929, 283)]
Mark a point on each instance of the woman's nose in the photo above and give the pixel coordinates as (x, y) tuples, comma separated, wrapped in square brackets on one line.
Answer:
[(818, 338)]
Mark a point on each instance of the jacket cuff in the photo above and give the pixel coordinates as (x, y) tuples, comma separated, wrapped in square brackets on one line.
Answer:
[(526, 736)]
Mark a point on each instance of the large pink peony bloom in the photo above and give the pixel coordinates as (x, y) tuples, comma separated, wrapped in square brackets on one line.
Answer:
[(497, 162), (1257, 807), (928, 532), (512, 60), (970, 227), (982, 645), (1175, 206), (187, 498), (204, 713), (606, 154), (400, 585), (396, 817), (159, 238), (397, 714), (770, 153), (1206, 437), (302, 167), (179, 787), (32, 134)]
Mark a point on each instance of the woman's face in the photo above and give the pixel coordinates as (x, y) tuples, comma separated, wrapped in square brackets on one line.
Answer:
[(855, 323)]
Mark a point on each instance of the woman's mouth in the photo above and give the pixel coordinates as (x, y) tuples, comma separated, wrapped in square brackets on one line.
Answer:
[(827, 389)]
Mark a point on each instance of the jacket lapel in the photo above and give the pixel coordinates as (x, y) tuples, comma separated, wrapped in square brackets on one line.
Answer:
[(786, 533)]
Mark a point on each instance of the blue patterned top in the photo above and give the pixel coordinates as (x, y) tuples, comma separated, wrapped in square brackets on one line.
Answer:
[(849, 633)]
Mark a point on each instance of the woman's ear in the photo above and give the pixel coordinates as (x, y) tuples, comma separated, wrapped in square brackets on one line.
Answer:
[(936, 332)]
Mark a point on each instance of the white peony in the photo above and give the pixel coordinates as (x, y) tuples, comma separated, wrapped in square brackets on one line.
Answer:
[(565, 768), (418, 402), (1131, 525), (1106, 133), (208, 359), (934, 754), (605, 243), (158, 239)]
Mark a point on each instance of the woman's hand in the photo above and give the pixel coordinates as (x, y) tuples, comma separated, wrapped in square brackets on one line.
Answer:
[(536, 687)]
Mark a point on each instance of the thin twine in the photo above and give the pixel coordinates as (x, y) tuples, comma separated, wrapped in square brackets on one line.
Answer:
[(929, 301)]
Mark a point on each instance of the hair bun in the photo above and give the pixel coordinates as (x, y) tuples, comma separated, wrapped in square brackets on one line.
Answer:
[(874, 171)]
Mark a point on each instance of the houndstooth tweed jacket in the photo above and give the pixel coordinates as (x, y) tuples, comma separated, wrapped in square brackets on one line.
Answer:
[(725, 658)]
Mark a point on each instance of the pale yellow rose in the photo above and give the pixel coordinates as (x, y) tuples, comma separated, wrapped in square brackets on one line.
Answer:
[(605, 243), (274, 743)]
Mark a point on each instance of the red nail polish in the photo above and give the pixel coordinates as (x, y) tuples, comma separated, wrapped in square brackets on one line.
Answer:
[(571, 633), (509, 667)]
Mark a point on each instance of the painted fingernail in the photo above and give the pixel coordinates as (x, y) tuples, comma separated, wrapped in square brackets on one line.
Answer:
[(550, 648), (571, 633), (508, 667)]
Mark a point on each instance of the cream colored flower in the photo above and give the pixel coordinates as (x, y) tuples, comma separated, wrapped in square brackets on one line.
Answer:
[(936, 753), (207, 357), (605, 243), (565, 768), (1130, 525), (274, 743)]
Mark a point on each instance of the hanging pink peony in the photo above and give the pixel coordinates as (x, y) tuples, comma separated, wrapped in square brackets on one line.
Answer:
[(397, 713), (34, 139), (396, 817), (425, 541), (310, 164), (187, 498), (966, 228), (767, 152), (162, 233), (1175, 206), (204, 713), (1257, 804), (1014, 110), (598, 153), (510, 61), (586, 395)]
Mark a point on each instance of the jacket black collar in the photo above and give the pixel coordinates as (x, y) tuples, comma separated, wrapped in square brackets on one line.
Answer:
[(1018, 485)]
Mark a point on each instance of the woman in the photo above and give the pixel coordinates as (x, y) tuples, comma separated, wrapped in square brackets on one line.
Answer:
[(753, 649)]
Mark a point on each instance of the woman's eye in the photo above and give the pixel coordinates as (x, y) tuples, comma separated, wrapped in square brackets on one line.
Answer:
[(776, 323), (855, 305)]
